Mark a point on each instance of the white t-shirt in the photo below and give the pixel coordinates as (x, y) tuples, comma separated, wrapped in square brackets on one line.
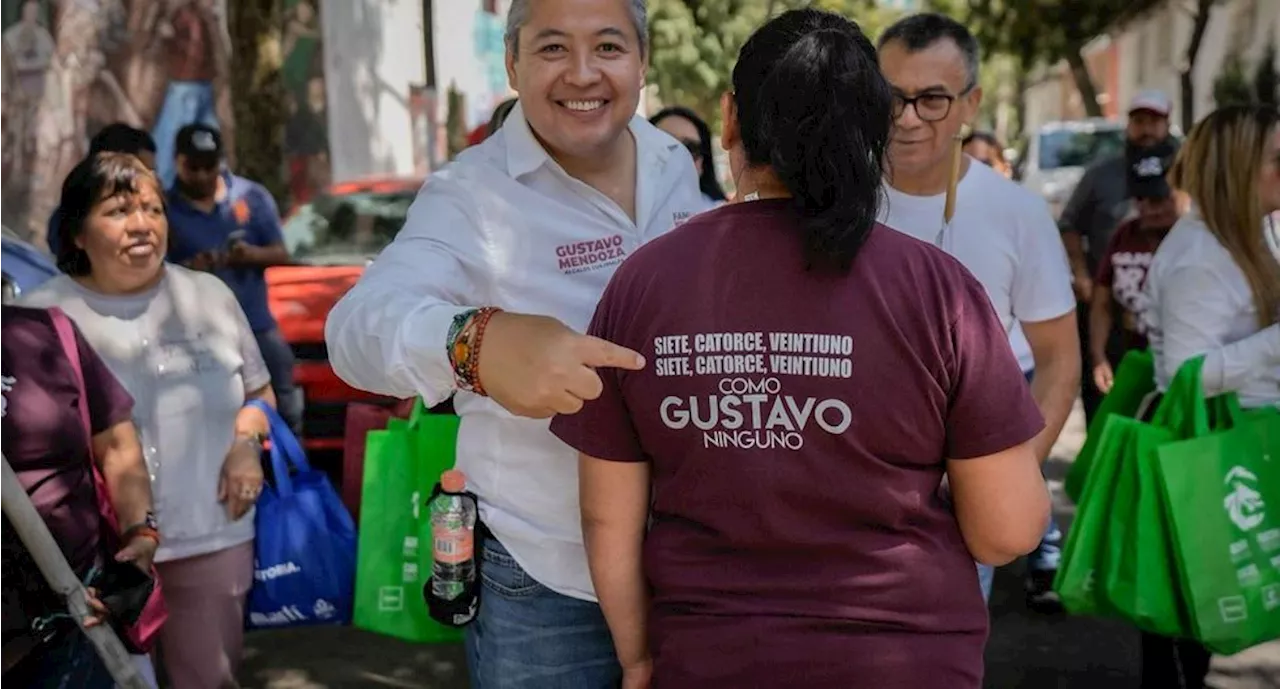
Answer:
[(185, 352), (1005, 235)]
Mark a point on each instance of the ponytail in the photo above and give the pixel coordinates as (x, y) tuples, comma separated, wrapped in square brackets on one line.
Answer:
[(820, 117)]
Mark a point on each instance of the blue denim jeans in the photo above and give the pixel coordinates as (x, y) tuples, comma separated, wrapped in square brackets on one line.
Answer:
[(278, 356), (530, 637)]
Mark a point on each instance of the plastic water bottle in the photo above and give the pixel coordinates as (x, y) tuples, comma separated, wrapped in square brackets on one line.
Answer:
[(453, 524)]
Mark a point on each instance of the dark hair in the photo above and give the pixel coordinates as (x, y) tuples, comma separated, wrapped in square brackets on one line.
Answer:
[(93, 180), (499, 116), (985, 137), (119, 137), (921, 31), (814, 107), (707, 181)]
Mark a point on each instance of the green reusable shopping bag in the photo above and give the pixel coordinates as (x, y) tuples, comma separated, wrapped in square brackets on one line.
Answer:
[(393, 559), (1134, 380), (1140, 581), (1222, 498), (1084, 555)]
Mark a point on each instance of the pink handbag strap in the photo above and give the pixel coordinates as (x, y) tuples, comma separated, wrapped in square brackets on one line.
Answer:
[(67, 338)]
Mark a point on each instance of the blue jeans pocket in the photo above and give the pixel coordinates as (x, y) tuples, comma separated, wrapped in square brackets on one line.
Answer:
[(503, 575)]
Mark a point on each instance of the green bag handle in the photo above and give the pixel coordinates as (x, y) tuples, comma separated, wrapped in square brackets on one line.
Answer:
[(419, 411), (1184, 409)]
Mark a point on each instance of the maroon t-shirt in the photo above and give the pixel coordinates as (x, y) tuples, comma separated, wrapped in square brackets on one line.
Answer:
[(43, 437), (1123, 270), (797, 424)]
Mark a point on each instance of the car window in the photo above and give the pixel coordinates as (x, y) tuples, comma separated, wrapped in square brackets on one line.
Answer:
[(1066, 148), (346, 229)]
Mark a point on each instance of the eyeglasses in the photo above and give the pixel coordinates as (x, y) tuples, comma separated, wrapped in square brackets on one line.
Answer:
[(930, 107)]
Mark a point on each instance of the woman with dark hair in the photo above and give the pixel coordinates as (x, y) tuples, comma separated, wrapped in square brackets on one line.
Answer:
[(985, 148), (831, 425), (181, 346), (690, 130)]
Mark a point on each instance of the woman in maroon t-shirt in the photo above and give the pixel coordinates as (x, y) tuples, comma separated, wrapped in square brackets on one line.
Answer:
[(764, 504), (46, 444)]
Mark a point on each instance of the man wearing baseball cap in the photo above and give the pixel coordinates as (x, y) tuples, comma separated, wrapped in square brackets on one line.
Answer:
[(1116, 324), (1101, 201), (230, 226)]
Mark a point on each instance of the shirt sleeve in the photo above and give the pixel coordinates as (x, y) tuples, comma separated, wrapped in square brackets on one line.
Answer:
[(109, 403), (603, 428), (1042, 277), (388, 333), (1104, 274), (991, 408), (254, 371), (1074, 217), (266, 218), (1194, 309)]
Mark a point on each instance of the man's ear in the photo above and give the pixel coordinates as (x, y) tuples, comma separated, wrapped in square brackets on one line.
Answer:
[(511, 69), (973, 100)]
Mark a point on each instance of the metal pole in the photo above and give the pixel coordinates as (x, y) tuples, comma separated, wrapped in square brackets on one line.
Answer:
[(53, 565)]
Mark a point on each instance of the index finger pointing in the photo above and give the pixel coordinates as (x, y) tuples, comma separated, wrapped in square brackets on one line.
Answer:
[(598, 353)]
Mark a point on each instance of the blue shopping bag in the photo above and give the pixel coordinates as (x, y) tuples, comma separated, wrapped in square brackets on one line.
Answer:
[(305, 555)]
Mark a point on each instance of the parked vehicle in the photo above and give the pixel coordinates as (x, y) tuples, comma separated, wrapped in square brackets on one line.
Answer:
[(1058, 153), (332, 238)]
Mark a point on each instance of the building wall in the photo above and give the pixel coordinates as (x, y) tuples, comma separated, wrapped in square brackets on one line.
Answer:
[(373, 55), (70, 68)]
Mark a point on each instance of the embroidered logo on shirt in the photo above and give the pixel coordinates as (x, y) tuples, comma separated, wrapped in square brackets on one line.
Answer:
[(581, 257), (678, 217), (6, 384), (241, 211)]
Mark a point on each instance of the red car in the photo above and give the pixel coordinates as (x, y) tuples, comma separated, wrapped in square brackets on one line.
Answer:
[(332, 238)]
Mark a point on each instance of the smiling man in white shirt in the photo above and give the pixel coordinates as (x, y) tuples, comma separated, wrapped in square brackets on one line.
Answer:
[(534, 221), (1001, 232)]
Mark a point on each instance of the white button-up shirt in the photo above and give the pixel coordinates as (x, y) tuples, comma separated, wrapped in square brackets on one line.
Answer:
[(1200, 303), (505, 225)]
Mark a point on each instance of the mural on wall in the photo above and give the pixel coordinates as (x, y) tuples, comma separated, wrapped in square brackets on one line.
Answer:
[(306, 134), (71, 67)]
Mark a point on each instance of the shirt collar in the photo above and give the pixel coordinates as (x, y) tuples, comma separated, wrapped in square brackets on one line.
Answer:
[(525, 153), (176, 197)]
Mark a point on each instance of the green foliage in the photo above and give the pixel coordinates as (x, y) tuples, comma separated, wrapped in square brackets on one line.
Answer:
[(1266, 82), (695, 43), (1232, 85)]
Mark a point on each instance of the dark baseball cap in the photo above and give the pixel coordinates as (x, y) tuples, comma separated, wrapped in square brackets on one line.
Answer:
[(200, 143), (1148, 173)]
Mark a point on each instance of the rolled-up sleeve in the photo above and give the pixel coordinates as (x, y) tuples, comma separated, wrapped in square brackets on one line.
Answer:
[(388, 334)]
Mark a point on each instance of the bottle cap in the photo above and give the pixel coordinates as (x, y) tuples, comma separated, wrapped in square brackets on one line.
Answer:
[(453, 481)]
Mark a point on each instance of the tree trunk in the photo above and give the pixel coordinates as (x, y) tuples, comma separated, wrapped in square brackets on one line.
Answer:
[(257, 92), (1084, 83), (1186, 75)]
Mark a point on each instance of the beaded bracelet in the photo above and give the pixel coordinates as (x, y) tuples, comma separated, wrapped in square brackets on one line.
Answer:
[(465, 336)]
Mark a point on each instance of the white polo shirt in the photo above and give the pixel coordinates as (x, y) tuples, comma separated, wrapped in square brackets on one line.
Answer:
[(505, 225), (1005, 235)]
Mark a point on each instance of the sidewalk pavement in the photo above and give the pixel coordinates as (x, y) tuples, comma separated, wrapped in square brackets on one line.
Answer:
[(1025, 650)]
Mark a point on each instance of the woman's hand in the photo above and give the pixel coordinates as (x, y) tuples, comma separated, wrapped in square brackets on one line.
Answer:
[(1103, 376), (140, 550), (241, 479), (97, 610), (638, 675)]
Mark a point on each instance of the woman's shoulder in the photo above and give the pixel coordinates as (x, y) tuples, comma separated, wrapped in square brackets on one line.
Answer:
[(1190, 245), (207, 285), (51, 293)]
